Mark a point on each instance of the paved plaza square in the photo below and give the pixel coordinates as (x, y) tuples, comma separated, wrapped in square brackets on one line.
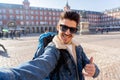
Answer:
[(105, 49)]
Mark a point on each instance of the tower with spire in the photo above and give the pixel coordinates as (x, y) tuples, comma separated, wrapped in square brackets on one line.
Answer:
[(67, 7), (26, 4)]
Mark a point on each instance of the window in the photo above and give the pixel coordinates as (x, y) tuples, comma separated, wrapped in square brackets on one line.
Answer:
[(1, 22), (45, 13), (11, 17), (50, 13), (27, 22), (21, 17), (45, 18), (17, 17), (4, 17), (0, 11), (37, 23), (36, 12), (32, 12), (53, 13), (11, 11), (54, 23), (41, 13), (41, 18), (22, 23), (36, 17), (53, 18), (17, 11), (27, 17), (0, 16), (50, 23), (49, 17), (32, 23), (21, 12), (32, 17), (4, 11), (26, 12)]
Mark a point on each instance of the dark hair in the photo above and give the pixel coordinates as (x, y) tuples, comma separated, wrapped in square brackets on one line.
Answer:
[(72, 15)]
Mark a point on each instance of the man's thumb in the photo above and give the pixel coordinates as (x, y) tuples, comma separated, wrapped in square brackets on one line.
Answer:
[(91, 60)]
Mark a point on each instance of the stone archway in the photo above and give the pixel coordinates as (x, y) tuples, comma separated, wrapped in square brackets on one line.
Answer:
[(12, 25)]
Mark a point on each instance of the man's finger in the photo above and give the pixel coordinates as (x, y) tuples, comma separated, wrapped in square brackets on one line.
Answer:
[(86, 74), (91, 60)]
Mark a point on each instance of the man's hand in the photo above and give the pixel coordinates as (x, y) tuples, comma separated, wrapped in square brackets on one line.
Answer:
[(90, 68)]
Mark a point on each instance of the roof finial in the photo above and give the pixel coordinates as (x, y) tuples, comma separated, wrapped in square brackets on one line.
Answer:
[(67, 7), (67, 4)]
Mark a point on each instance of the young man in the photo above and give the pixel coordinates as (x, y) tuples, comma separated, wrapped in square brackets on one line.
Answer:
[(63, 59)]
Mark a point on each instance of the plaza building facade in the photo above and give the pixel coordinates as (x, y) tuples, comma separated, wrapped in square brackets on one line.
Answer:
[(30, 19)]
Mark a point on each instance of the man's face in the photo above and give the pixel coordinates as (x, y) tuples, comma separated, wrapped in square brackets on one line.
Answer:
[(66, 30)]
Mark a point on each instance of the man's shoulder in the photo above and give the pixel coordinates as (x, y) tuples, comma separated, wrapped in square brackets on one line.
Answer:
[(51, 44), (47, 34)]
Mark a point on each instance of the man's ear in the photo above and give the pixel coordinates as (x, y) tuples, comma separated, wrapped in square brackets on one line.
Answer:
[(57, 27)]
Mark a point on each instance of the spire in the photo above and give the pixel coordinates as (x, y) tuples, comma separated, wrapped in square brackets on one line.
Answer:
[(26, 0), (67, 7), (26, 4), (67, 4)]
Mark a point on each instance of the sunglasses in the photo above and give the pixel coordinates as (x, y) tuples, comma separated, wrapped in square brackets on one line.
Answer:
[(64, 28)]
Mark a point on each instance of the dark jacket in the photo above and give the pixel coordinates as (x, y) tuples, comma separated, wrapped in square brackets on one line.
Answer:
[(45, 64)]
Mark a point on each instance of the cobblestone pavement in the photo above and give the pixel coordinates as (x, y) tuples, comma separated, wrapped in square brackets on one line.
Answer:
[(103, 47)]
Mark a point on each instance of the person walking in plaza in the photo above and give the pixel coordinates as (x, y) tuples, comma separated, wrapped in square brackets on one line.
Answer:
[(11, 34), (63, 58)]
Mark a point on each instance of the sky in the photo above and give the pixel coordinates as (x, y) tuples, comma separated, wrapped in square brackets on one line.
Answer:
[(91, 5)]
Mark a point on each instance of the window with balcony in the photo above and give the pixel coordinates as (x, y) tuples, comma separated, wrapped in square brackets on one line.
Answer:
[(0, 10), (17, 17), (27, 22), (32, 17), (37, 23), (17, 11), (21, 12), (27, 17), (0, 17), (32, 23), (4, 17), (11, 16), (45, 18), (32, 12), (36, 17), (1, 23), (49, 17), (22, 23), (36, 12), (11, 11), (21, 17), (41, 13), (41, 18), (4, 11)]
